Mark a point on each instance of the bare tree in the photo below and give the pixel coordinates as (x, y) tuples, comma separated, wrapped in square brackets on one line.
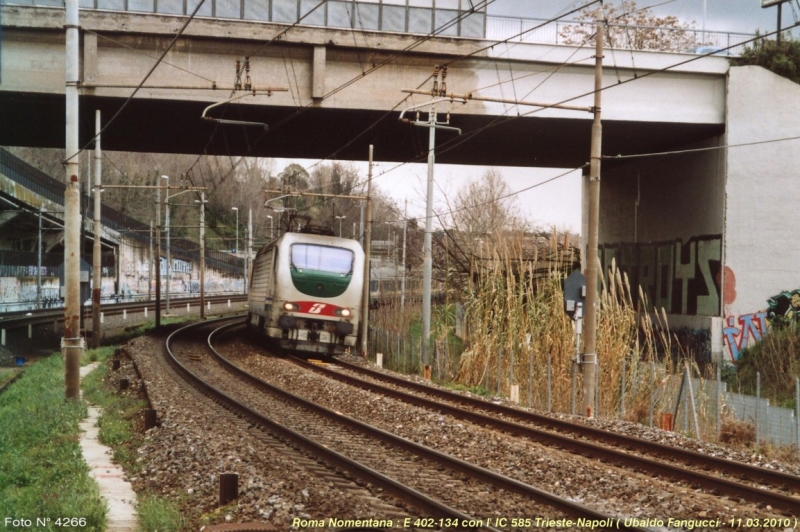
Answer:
[(483, 214), (635, 28)]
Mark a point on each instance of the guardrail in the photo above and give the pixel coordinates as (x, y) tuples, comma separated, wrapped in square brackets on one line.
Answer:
[(688, 40)]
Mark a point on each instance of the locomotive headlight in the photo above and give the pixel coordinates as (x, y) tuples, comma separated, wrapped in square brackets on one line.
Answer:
[(291, 306), (343, 312)]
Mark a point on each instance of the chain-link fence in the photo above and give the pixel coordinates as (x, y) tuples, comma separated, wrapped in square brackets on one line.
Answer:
[(653, 394)]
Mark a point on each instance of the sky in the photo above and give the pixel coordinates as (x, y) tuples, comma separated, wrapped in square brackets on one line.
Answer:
[(557, 204)]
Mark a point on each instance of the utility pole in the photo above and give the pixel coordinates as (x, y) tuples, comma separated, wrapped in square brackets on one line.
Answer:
[(361, 225), (367, 254), (589, 361), (432, 124), (169, 253), (236, 249), (202, 255), (157, 263), (249, 250), (72, 344), (96, 262), (779, 3), (39, 264), (150, 268), (403, 278)]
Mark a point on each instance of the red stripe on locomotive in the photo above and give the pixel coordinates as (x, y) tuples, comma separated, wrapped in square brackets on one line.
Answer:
[(316, 308)]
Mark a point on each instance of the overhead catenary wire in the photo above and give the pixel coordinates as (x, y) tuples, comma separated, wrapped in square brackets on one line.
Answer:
[(417, 43), (375, 67), (451, 144), (141, 84), (364, 74), (673, 66), (145, 54), (697, 150)]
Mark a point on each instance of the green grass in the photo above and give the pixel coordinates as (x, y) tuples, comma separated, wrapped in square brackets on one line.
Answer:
[(139, 330), (157, 514), (117, 423), (42, 472), (777, 358), (6, 374), (476, 390), (117, 426)]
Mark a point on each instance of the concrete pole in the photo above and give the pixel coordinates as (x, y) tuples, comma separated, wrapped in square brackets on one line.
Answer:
[(96, 263), (590, 319), (117, 269), (202, 255), (150, 269), (236, 249), (403, 278), (361, 225), (72, 344), (367, 253), (427, 261), (157, 263), (169, 253), (39, 264), (249, 251)]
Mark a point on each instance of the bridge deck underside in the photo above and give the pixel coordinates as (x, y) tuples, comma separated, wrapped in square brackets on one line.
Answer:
[(167, 126)]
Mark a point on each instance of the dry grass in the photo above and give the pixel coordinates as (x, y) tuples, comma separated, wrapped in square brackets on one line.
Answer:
[(517, 332), (737, 433), (512, 310)]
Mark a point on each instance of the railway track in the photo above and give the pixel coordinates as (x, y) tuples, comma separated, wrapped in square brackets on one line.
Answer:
[(24, 317), (718, 476), (446, 491)]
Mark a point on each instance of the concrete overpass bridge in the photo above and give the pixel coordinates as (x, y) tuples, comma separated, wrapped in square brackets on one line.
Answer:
[(699, 229), (344, 91)]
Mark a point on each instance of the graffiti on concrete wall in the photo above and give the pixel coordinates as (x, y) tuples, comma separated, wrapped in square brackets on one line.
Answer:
[(785, 307), (745, 330), (9, 289), (178, 266), (24, 290), (682, 278)]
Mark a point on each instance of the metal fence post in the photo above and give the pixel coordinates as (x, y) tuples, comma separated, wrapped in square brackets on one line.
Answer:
[(758, 405), (797, 413), (652, 385), (499, 365), (549, 382), (622, 405), (717, 402)]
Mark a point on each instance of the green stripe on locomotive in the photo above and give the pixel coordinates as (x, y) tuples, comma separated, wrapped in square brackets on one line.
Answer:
[(320, 284)]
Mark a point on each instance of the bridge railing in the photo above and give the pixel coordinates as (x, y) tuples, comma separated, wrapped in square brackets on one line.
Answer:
[(447, 17), (454, 18), (690, 40)]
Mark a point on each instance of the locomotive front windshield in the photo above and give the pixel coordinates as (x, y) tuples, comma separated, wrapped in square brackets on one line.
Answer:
[(326, 259)]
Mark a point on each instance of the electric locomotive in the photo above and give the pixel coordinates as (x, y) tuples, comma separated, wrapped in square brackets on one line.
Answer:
[(305, 292)]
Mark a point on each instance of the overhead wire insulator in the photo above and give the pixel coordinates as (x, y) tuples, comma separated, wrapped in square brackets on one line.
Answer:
[(247, 83), (443, 89), (237, 84), (435, 90)]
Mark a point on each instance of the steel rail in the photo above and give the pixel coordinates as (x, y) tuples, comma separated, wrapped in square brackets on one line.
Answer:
[(404, 493), (785, 503), (40, 316), (477, 472)]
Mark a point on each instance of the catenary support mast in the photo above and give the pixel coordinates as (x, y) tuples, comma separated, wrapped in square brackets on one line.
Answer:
[(72, 344), (589, 361)]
